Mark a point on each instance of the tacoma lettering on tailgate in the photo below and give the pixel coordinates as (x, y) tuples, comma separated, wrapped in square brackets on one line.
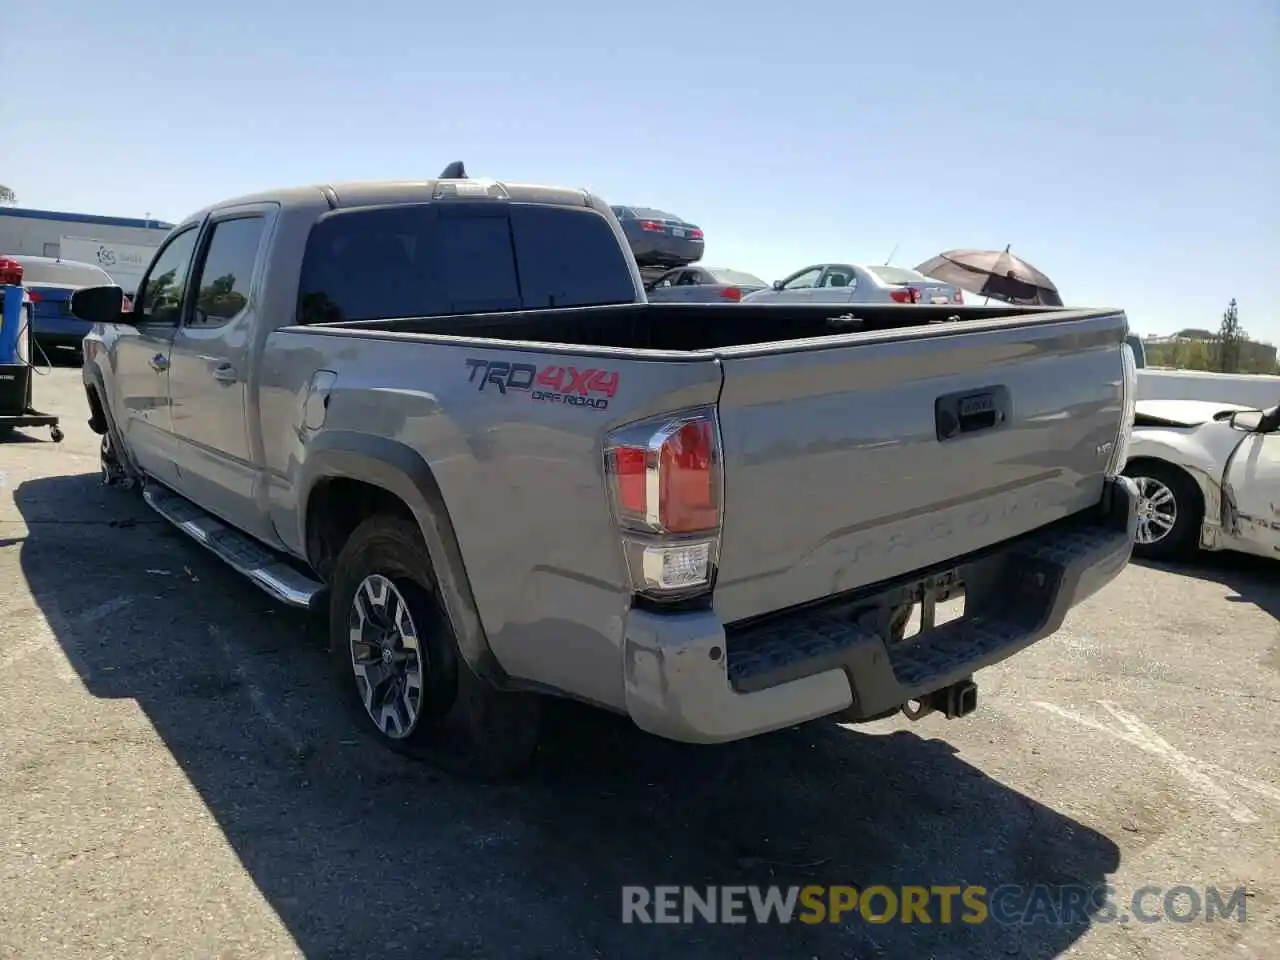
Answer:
[(553, 384)]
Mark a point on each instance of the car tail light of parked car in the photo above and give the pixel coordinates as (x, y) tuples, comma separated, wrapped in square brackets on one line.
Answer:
[(731, 293), (695, 234), (652, 226), (905, 295), (665, 483), (34, 297)]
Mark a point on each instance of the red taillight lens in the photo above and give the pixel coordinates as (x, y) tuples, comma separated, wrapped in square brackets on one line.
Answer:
[(731, 293), (695, 234), (664, 477), (652, 226), (10, 272), (629, 465), (687, 501), (126, 305), (905, 295), (34, 297), (958, 297)]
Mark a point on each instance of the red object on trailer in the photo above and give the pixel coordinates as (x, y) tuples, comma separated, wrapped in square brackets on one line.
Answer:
[(10, 272)]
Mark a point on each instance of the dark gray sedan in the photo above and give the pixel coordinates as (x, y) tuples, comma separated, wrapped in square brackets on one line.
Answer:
[(703, 285), (658, 238)]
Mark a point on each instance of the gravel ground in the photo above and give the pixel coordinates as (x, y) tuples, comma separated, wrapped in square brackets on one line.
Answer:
[(176, 779)]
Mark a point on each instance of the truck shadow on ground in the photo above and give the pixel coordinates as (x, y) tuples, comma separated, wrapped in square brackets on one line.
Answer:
[(361, 853), (1254, 579)]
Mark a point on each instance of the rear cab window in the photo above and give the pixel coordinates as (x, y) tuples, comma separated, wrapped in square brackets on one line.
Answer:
[(413, 260)]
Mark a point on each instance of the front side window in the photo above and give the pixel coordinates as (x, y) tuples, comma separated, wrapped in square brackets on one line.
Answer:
[(162, 291), (222, 286), (803, 281)]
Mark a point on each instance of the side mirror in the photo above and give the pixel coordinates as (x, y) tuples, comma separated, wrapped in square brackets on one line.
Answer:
[(777, 284), (1250, 421), (100, 305)]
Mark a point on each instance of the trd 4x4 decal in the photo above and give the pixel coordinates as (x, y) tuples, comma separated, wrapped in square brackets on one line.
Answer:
[(554, 384)]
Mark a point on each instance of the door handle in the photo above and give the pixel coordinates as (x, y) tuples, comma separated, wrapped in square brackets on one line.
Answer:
[(225, 373), (159, 363)]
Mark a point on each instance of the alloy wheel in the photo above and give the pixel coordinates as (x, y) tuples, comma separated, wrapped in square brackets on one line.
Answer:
[(386, 656), (1157, 510)]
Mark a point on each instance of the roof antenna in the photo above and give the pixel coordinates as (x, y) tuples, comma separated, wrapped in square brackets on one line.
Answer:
[(454, 171), (889, 259)]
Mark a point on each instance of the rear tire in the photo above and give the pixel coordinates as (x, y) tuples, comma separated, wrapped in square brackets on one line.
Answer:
[(396, 660), (1170, 511)]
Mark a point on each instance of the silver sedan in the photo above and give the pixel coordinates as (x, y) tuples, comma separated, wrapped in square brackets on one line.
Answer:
[(855, 283)]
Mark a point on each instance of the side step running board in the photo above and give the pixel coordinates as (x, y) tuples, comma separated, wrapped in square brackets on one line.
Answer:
[(269, 571)]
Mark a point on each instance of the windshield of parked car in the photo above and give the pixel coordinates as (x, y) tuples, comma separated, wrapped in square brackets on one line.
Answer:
[(897, 275), (63, 273), (736, 276)]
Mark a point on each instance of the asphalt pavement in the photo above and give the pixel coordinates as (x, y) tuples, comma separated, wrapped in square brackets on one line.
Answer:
[(178, 780)]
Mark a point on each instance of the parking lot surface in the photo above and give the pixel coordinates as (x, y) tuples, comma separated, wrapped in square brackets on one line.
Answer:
[(177, 779)]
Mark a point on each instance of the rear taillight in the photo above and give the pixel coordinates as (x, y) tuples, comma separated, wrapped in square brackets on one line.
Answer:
[(905, 295), (126, 305), (653, 226), (695, 234), (34, 297), (1128, 410), (665, 480), (731, 293), (957, 297)]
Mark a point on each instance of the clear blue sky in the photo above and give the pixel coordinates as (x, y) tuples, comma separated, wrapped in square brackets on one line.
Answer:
[(1129, 148)]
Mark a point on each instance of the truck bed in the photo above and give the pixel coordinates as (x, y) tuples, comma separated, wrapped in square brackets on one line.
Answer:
[(693, 327), (852, 451)]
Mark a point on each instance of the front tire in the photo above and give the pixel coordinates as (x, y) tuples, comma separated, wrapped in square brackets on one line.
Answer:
[(396, 660), (1170, 511)]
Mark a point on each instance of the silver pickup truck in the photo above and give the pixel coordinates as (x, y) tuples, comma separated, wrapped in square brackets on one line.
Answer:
[(443, 413)]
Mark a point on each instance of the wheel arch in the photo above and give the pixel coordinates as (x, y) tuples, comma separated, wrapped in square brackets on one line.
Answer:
[(349, 476)]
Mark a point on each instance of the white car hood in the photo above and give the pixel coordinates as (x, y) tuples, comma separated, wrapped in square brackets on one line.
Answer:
[(1183, 413)]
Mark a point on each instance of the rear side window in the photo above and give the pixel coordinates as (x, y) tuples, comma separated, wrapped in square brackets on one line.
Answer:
[(426, 260), (222, 286), (569, 257)]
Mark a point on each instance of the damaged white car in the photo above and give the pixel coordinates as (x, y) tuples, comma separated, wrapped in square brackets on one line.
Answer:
[(1209, 478)]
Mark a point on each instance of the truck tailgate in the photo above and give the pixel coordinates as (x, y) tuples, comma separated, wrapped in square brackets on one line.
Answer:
[(852, 461)]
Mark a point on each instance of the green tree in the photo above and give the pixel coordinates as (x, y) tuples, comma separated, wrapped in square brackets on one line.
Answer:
[(1230, 340), (219, 298)]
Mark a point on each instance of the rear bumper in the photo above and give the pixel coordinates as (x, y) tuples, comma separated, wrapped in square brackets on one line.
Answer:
[(665, 251), (689, 679)]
